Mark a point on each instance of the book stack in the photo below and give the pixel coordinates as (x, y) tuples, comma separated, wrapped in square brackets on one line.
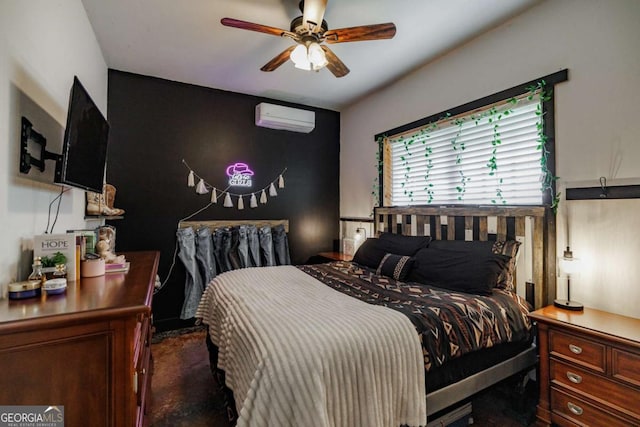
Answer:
[(116, 267)]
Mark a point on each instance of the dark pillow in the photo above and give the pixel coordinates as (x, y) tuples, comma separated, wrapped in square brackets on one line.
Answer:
[(372, 250), (403, 245), (458, 270), (471, 247), (395, 266), (476, 247), (369, 253), (510, 249)]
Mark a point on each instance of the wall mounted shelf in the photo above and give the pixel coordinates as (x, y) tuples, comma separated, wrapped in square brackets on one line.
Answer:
[(101, 217), (604, 193)]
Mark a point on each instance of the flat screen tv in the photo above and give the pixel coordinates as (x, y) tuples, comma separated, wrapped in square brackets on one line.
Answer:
[(84, 148)]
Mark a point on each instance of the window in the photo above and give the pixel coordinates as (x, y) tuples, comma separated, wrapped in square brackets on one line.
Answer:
[(494, 151)]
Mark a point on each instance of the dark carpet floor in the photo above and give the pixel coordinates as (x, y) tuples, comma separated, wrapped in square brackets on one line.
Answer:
[(185, 392)]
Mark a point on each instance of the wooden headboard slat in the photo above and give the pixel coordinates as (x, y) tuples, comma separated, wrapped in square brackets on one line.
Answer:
[(406, 226), (502, 228), (484, 229), (468, 228), (451, 228), (527, 224), (520, 226), (438, 226), (421, 222), (538, 262)]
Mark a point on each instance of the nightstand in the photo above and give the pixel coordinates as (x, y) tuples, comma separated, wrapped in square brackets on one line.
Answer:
[(335, 256), (589, 368)]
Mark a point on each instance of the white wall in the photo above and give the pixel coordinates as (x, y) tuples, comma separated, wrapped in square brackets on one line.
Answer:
[(43, 44), (596, 122)]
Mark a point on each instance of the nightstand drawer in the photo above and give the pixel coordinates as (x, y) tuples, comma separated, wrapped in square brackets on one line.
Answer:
[(566, 407), (595, 387), (625, 366), (589, 368), (579, 350)]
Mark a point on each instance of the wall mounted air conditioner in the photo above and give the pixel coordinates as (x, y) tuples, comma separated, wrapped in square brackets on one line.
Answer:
[(285, 118)]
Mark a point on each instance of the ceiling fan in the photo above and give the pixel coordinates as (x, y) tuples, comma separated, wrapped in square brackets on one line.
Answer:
[(309, 31)]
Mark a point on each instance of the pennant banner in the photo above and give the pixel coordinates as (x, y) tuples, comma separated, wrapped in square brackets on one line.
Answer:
[(239, 169)]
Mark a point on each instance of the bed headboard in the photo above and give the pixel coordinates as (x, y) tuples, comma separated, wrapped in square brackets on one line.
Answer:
[(219, 223), (533, 226)]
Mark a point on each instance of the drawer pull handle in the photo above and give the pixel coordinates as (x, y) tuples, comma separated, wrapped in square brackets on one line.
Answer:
[(574, 378), (575, 349), (574, 408)]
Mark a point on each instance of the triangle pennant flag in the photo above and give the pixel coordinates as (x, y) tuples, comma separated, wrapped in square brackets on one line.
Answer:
[(201, 188), (240, 203), (227, 201), (263, 197), (272, 190), (191, 180), (214, 195), (252, 201)]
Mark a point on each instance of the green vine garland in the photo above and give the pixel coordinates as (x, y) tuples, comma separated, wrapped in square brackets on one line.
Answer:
[(493, 116), (375, 193), (548, 178)]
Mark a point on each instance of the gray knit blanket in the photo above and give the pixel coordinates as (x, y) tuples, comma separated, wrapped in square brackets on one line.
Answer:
[(298, 353)]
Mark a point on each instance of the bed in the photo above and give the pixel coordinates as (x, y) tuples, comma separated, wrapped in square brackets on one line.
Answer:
[(336, 343)]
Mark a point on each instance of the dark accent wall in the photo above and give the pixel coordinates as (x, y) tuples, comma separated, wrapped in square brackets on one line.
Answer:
[(156, 123)]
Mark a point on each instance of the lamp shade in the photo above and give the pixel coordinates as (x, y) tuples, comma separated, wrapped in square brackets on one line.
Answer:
[(567, 264), (299, 57), (309, 57), (316, 56)]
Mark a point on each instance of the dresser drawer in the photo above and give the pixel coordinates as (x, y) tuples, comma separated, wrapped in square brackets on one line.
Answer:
[(579, 350), (569, 410), (144, 371), (625, 366), (141, 338), (596, 387)]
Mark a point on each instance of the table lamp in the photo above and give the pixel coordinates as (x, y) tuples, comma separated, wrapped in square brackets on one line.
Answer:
[(568, 265)]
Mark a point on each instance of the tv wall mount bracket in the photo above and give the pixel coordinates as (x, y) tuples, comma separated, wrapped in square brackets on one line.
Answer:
[(26, 159)]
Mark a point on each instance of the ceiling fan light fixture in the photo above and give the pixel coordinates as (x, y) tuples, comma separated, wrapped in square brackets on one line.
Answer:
[(309, 31), (299, 54), (303, 66), (316, 56), (309, 57)]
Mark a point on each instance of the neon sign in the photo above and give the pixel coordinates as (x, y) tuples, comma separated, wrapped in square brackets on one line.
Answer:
[(239, 175)]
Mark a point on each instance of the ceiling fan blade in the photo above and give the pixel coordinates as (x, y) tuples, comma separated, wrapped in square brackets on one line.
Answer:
[(278, 60), (313, 12), (336, 66), (244, 25), (361, 33)]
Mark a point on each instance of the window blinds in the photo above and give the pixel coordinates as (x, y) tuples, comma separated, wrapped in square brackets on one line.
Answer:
[(488, 157)]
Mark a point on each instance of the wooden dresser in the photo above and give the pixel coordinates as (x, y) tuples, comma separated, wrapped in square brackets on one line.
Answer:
[(589, 368), (87, 349)]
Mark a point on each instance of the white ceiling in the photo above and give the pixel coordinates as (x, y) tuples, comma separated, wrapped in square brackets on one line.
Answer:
[(184, 41)]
